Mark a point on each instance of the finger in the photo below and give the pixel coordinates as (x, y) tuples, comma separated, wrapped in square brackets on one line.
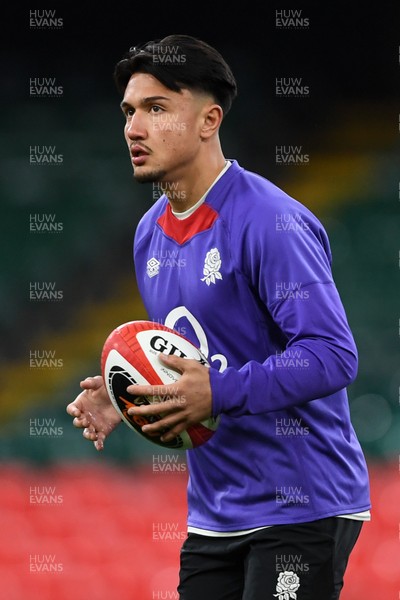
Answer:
[(171, 426), (73, 410), (99, 443), (89, 433), (80, 422), (155, 408), (92, 383), (174, 362), (159, 391), (169, 435), (146, 390), (166, 422)]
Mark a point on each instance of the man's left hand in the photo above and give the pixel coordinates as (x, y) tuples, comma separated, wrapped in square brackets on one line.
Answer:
[(184, 403)]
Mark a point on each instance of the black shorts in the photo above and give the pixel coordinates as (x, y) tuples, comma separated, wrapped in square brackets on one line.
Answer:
[(306, 561)]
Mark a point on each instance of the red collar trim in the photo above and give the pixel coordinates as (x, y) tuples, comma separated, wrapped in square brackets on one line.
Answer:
[(182, 230)]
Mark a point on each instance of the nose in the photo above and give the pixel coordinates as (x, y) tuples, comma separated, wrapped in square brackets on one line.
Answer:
[(134, 128)]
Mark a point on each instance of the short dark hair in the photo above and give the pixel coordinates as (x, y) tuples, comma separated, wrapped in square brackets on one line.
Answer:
[(180, 62)]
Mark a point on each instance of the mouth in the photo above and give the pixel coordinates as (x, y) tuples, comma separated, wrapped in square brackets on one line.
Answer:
[(138, 155)]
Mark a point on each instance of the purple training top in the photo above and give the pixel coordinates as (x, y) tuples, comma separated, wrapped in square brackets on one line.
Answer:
[(247, 277)]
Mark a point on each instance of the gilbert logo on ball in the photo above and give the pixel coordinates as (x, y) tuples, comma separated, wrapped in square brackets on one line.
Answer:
[(131, 356)]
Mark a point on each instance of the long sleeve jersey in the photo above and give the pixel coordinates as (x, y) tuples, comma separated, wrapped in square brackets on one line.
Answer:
[(247, 278)]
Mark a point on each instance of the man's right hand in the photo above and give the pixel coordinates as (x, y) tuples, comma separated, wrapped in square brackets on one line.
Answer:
[(94, 412)]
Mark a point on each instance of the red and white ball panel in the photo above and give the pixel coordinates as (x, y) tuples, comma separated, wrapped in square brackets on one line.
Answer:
[(130, 356)]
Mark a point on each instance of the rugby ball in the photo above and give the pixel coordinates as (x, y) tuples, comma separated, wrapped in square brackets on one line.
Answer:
[(130, 355)]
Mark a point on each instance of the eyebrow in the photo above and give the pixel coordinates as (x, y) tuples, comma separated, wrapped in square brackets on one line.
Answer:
[(144, 101)]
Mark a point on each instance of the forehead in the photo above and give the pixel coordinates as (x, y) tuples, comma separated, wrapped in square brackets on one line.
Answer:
[(144, 85), (143, 89)]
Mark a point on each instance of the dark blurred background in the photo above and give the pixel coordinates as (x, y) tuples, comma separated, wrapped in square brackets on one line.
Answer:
[(67, 273)]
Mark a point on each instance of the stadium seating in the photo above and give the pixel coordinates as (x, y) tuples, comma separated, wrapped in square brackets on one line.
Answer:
[(101, 536)]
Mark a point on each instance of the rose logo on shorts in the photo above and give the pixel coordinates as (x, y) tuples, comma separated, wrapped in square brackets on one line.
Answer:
[(212, 266), (287, 585)]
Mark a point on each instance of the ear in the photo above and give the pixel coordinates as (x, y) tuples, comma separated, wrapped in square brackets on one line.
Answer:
[(212, 118)]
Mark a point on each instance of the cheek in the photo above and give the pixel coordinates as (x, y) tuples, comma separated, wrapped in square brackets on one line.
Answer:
[(170, 143), (126, 133), (175, 136), (179, 138)]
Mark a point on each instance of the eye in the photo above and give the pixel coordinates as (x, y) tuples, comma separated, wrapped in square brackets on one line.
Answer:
[(156, 109), (128, 111)]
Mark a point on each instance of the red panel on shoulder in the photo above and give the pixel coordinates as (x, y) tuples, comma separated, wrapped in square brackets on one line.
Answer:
[(182, 230)]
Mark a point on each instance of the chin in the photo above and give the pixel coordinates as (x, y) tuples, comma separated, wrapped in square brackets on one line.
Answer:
[(148, 176)]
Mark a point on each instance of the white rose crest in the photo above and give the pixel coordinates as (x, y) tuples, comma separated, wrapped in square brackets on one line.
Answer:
[(287, 586), (212, 265)]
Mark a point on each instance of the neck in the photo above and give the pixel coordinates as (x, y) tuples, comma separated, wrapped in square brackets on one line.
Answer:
[(186, 190)]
